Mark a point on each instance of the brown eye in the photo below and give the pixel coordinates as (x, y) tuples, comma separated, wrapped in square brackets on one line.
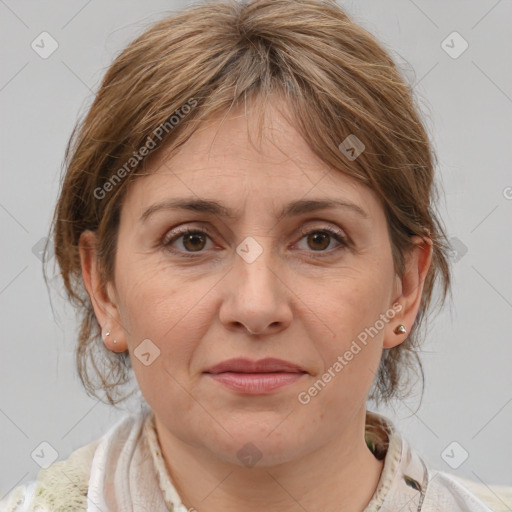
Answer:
[(194, 241), (186, 241), (319, 240)]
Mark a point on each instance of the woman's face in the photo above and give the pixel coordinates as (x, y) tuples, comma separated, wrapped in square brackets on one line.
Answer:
[(303, 287)]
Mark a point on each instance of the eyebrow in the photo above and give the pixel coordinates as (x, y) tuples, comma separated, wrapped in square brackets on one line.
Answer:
[(292, 209)]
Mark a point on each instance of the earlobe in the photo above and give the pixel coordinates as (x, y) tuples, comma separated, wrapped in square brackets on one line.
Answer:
[(111, 342), (105, 309), (410, 286)]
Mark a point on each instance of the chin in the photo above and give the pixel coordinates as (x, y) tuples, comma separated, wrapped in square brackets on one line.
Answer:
[(258, 443)]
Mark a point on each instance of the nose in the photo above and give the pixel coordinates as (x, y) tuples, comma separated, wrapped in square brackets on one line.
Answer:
[(256, 298)]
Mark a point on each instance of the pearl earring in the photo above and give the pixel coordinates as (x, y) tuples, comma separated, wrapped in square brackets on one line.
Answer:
[(400, 329)]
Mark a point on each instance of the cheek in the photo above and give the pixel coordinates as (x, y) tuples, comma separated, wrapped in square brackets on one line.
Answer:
[(147, 290), (159, 305), (157, 308), (356, 308), (355, 300)]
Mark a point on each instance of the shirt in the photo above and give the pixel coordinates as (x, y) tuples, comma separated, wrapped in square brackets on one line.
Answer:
[(124, 470)]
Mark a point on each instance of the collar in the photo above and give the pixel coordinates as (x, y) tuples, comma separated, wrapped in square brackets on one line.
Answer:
[(404, 476)]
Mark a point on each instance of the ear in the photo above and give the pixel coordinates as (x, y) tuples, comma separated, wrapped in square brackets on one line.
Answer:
[(102, 294), (409, 290)]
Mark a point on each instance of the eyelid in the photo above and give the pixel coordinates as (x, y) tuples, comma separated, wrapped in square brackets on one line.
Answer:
[(337, 233), (330, 229), (175, 233)]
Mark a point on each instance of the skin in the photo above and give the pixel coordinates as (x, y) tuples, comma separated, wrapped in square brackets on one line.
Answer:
[(303, 300)]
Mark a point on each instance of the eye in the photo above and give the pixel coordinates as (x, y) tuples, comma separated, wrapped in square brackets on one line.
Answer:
[(320, 239), (192, 240)]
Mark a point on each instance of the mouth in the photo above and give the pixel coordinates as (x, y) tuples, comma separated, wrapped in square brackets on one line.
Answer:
[(268, 365), (255, 377)]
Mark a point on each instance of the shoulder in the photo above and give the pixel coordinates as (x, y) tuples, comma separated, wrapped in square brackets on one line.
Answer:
[(498, 497), (63, 484), (63, 487), (451, 492), (407, 483)]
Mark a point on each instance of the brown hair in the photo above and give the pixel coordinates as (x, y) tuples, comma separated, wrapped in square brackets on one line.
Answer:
[(338, 81)]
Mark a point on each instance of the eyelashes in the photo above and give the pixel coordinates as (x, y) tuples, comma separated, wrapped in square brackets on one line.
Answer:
[(337, 235), (184, 233), (193, 236)]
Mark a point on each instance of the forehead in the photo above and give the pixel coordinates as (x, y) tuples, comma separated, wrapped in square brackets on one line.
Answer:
[(243, 156)]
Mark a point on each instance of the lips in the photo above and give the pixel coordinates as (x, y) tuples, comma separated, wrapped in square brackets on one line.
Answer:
[(262, 377), (255, 383), (268, 365)]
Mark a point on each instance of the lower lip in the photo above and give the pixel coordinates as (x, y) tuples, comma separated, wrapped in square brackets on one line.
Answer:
[(255, 383)]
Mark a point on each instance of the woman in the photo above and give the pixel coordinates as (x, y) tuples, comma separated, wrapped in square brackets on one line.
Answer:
[(247, 222)]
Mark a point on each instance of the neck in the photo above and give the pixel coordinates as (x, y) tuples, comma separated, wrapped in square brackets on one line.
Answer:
[(341, 475)]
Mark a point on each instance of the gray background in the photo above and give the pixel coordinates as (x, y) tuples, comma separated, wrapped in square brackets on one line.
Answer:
[(468, 105)]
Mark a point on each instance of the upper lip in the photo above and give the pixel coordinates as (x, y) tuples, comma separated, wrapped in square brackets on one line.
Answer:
[(266, 365)]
